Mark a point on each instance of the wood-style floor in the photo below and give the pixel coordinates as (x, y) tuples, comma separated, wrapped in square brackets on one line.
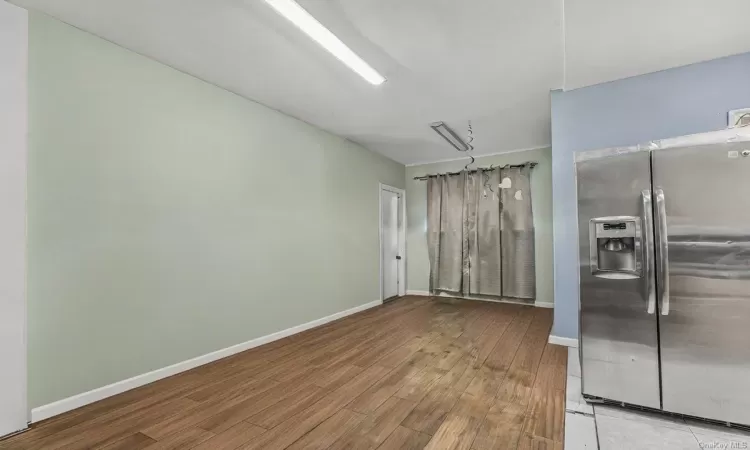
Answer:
[(415, 373)]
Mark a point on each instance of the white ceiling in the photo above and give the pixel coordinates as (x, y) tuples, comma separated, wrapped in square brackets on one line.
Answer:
[(491, 61), (608, 40)]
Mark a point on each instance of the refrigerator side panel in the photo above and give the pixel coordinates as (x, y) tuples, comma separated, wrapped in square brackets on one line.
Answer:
[(705, 302), (618, 342)]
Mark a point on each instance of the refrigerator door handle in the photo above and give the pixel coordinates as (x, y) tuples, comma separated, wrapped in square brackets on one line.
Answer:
[(663, 252), (648, 251)]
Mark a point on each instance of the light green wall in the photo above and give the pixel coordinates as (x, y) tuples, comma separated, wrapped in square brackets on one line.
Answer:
[(417, 262), (169, 218)]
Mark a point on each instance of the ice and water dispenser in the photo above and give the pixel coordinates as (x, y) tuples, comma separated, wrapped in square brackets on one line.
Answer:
[(615, 247)]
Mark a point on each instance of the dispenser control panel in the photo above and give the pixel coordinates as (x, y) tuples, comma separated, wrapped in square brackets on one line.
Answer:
[(616, 248), (615, 229)]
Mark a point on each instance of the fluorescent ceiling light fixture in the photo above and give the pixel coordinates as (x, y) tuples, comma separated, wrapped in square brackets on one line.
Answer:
[(449, 135), (323, 36)]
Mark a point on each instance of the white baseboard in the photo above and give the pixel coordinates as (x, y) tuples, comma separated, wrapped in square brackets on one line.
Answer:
[(76, 401), (443, 294), (567, 342), (424, 293)]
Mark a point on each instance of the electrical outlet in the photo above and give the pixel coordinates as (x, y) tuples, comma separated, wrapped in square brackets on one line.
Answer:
[(739, 117)]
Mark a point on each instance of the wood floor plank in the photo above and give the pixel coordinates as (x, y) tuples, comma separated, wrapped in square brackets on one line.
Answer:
[(456, 377), (339, 344), (297, 426), (368, 357), (104, 413), (480, 348), (335, 376), (556, 355), (462, 424), (448, 353), (328, 432), (555, 360), (417, 386), (546, 411), (405, 439), (195, 415), (112, 431), (477, 325), (405, 352), (361, 321), (232, 384), (493, 371), (516, 387), (239, 412), (501, 428), (528, 356), (289, 407), (347, 349), (430, 413), (486, 382), (497, 436), (137, 441), (511, 413), (502, 355), (529, 442), (375, 396), (399, 376), (233, 437), (376, 428), (183, 439), (388, 337)]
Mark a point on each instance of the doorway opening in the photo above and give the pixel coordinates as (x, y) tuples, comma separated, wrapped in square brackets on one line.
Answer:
[(392, 243)]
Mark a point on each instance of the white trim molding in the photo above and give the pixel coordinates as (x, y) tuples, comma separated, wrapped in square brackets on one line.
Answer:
[(77, 401), (422, 293), (14, 45), (559, 340)]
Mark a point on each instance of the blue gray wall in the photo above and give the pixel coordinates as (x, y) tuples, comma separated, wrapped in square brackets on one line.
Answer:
[(675, 102)]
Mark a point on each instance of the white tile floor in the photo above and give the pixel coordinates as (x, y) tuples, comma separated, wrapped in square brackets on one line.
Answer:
[(603, 427), (580, 427), (580, 432)]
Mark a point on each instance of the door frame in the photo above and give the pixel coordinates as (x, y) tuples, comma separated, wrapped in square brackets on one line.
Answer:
[(14, 412), (401, 238)]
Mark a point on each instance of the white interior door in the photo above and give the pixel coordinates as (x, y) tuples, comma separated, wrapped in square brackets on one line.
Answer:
[(13, 56), (390, 202)]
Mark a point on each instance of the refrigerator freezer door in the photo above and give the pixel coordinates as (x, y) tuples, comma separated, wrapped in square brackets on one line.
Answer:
[(619, 347), (705, 330)]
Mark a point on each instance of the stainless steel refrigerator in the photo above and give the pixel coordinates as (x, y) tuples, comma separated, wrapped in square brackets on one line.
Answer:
[(664, 239)]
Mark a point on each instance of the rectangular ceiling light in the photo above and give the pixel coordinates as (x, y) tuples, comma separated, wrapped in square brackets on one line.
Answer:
[(323, 36), (450, 136)]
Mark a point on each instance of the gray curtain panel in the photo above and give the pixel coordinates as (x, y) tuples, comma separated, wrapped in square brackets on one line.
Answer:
[(451, 257), (518, 266), (470, 248), (434, 196), (482, 274), (480, 237)]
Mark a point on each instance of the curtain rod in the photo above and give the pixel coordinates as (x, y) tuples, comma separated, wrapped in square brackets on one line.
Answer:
[(530, 164)]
